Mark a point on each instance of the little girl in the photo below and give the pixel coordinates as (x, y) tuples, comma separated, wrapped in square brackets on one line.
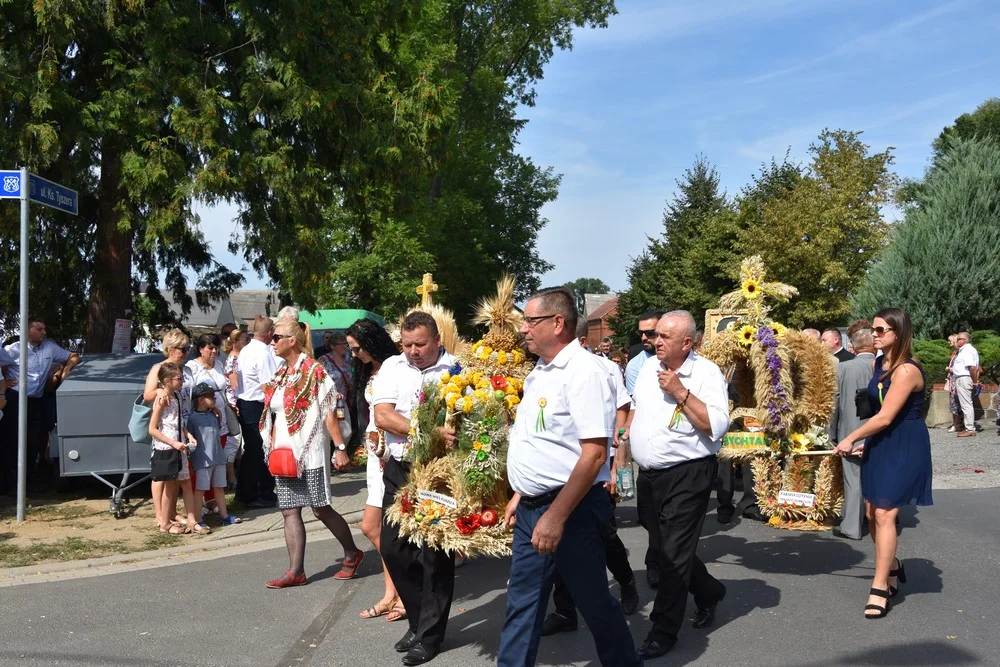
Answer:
[(169, 460), (209, 459)]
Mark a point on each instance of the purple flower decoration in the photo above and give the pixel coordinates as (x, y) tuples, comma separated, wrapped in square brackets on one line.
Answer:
[(778, 405)]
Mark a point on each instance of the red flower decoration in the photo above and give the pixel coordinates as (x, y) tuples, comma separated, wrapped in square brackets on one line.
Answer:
[(288, 400), (467, 524), (498, 382), (405, 503)]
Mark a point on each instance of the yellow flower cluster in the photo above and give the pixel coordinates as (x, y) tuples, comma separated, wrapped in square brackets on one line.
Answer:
[(428, 510), (747, 334), (463, 392), (800, 442), (486, 353)]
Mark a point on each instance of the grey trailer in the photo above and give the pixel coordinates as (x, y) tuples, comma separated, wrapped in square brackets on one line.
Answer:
[(94, 406)]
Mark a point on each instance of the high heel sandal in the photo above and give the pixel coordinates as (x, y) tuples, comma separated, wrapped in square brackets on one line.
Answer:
[(882, 611), (900, 574)]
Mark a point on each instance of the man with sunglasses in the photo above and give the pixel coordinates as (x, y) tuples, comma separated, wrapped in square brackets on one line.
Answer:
[(256, 364), (647, 334)]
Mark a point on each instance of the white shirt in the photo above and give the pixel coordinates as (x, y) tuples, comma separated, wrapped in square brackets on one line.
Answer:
[(257, 364), (965, 357), (632, 369), (576, 398), (399, 382), (655, 445), (41, 359), (622, 398)]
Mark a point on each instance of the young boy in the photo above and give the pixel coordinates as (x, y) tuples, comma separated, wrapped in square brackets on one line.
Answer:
[(209, 458)]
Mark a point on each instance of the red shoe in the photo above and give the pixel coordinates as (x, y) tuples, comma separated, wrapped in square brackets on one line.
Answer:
[(286, 580), (350, 567)]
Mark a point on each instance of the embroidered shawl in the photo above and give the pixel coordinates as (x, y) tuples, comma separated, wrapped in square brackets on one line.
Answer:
[(309, 397)]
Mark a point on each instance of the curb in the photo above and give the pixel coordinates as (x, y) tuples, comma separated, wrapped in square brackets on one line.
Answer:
[(11, 575)]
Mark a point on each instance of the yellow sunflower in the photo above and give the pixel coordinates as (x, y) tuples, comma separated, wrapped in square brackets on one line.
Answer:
[(779, 329), (746, 335), (800, 442), (751, 289)]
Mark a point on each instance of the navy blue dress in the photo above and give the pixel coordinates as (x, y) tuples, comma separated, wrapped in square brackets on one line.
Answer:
[(896, 464)]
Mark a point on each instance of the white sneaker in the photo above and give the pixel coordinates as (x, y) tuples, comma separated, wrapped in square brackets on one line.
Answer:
[(951, 429)]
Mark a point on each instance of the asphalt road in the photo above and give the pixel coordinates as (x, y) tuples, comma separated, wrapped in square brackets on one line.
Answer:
[(794, 599)]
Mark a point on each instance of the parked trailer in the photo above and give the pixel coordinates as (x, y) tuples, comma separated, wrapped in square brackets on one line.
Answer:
[(94, 406)]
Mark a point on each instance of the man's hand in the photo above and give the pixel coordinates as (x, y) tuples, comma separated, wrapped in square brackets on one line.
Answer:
[(670, 383), (548, 533), (509, 516), (340, 460), (448, 435), (612, 486)]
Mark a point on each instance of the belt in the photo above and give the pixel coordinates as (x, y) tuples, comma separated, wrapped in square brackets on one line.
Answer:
[(534, 502)]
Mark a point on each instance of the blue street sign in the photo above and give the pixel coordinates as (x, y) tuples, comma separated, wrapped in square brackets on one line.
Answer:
[(47, 193), (10, 185)]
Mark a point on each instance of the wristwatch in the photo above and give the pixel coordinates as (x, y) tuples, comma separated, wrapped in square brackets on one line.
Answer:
[(341, 447)]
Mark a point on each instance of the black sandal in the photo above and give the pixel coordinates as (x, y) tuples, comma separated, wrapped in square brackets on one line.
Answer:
[(882, 611), (900, 574)]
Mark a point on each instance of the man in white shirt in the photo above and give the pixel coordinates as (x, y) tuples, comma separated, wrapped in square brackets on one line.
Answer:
[(647, 334), (556, 464), (43, 355), (256, 364), (965, 371), (424, 577), (681, 413), (563, 618)]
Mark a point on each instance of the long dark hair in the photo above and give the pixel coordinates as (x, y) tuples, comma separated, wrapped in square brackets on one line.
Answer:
[(900, 323), (374, 340)]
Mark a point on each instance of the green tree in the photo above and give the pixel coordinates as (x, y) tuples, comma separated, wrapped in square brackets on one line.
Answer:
[(685, 267), (589, 286), (983, 123), (941, 264), (822, 235)]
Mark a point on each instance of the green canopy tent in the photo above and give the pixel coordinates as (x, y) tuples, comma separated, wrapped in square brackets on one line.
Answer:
[(339, 319)]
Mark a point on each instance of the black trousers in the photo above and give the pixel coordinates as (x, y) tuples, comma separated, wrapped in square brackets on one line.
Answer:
[(424, 577), (617, 560), (8, 440), (253, 481), (672, 504), (727, 485)]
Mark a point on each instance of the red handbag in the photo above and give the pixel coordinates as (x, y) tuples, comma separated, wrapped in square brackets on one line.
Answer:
[(282, 463)]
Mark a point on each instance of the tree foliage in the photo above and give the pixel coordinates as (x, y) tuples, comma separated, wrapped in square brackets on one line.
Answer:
[(588, 286), (822, 234), (941, 266), (363, 144)]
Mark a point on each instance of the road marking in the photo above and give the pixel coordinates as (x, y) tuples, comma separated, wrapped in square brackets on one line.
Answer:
[(302, 652)]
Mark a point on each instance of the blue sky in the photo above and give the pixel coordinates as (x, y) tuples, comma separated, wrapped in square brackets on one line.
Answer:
[(624, 113)]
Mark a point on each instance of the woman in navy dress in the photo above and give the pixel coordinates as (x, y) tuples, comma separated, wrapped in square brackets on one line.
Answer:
[(896, 457)]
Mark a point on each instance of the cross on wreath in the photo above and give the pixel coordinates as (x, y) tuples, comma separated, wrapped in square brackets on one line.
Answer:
[(426, 288)]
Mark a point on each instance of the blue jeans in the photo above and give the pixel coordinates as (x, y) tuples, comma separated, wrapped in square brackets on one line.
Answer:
[(580, 561)]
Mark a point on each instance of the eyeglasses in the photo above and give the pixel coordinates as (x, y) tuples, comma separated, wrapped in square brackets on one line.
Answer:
[(880, 331), (185, 349), (354, 348), (648, 333), (532, 321), (276, 337)]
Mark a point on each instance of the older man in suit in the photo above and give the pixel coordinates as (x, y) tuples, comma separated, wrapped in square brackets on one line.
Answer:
[(852, 375)]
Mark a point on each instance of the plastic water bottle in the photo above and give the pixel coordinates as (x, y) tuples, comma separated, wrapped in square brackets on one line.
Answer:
[(626, 476)]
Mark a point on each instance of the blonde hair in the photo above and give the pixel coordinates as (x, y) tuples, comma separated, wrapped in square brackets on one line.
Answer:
[(174, 339), (229, 342), (296, 329)]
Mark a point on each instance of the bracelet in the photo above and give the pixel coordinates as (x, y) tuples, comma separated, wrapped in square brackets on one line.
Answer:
[(684, 402)]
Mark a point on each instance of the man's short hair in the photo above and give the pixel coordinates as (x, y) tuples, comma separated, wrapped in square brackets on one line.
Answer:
[(262, 325), (836, 334), (965, 335), (862, 339), (856, 325), (582, 330), (419, 318), (559, 301), (32, 319), (606, 339), (690, 327), (651, 315)]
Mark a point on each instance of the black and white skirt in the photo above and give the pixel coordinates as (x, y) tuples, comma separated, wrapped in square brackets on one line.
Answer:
[(309, 490)]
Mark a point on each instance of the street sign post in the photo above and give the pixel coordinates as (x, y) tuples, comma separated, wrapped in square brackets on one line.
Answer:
[(26, 187)]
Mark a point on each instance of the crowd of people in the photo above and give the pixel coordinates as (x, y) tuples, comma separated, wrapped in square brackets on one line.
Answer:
[(274, 416)]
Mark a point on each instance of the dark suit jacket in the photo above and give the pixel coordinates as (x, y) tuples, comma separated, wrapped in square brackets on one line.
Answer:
[(843, 355)]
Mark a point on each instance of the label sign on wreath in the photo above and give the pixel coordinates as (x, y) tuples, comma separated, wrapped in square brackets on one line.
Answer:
[(796, 499), (748, 439), (438, 498)]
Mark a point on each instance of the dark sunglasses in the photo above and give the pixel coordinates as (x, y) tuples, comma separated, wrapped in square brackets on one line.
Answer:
[(880, 331), (354, 348), (185, 349), (276, 337), (648, 333)]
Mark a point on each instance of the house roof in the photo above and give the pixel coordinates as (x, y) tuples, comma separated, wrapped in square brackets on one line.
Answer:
[(604, 309), (248, 303), (594, 301)]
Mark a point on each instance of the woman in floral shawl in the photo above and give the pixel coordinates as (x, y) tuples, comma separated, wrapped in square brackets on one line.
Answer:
[(300, 415)]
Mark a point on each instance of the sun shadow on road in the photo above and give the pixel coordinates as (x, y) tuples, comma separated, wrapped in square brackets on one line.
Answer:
[(911, 653)]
